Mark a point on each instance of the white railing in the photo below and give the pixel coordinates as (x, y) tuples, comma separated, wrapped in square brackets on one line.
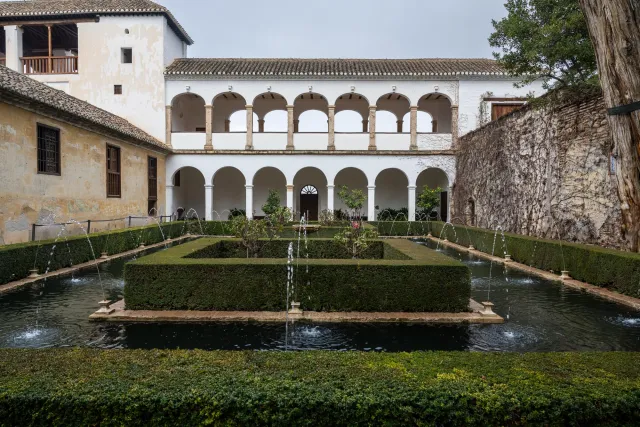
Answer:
[(311, 141), (434, 141), (270, 141), (230, 141), (188, 140), (393, 141), (352, 141)]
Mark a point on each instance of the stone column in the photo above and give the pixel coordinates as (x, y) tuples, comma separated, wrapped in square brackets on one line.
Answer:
[(169, 200), (449, 203), (412, 202), (365, 126), (249, 201), (260, 125), (290, 196), (372, 127), (208, 146), (227, 125), (249, 145), (290, 127), (399, 123), (208, 202), (13, 47), (330, 196), (414, 128), (434, 126), (332, 135), (454, 126), (168, 124), (371, 203)]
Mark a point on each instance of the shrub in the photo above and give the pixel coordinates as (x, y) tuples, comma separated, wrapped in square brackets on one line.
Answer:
[(426, 281), (429, 199), (16, 260), (402, 228), (185, 388), (390, 214), (236, 212), (615, 270)]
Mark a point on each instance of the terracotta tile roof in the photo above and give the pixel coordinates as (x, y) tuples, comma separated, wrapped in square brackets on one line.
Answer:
[(333, 68), (18, 89), (16, 10)]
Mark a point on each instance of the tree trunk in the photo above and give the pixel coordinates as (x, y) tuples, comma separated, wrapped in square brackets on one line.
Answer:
[(614, 26)]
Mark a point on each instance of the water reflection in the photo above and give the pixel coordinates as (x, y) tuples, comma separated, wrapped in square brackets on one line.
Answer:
[(542, 316)]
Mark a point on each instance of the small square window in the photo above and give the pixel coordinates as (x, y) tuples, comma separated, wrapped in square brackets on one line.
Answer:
[(127, 55), (117, 90)]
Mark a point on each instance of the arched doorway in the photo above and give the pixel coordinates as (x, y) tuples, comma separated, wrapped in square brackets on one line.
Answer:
[(309, 202), (435, 178)]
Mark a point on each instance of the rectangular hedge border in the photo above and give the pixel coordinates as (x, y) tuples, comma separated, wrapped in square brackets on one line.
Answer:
[(426, 282), (16, 260), (617, 271), (57, 387), (223, 228), (402, 228)]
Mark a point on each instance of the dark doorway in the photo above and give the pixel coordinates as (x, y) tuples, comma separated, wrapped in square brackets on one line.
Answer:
[(309, 202), (444, 205)]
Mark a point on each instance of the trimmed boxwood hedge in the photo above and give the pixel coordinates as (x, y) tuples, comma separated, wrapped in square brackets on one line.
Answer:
[(278, 248), (223, 228), (615, 270), (402, 228), (425, 282), (61, 387), (16, 260)]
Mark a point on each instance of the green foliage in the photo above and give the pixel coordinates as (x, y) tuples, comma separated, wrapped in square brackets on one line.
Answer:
[(402, 228), (547, 39), (355, 238), (390, 214), (412, 278), (273, 202), (615, 270), (236, 212), (353, 199), (16, 260), (429, 199), (249, 231), (328, 218), (89, 387)]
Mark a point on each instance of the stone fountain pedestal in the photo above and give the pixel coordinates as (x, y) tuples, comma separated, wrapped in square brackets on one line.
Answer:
[(33, 274), (564, 275), (105, 307)]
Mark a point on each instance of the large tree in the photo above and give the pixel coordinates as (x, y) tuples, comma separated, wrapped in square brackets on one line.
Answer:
[(615, 31), (545, 39)]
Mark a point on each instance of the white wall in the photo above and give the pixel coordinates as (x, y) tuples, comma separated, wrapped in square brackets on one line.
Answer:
[(472, 92), (391, 190)]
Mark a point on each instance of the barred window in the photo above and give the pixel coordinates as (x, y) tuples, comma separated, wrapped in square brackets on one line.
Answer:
[(152, 174), (48, 150), (113, 171)]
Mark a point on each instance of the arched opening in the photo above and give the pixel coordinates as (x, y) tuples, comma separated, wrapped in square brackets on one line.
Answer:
[(350, 122), (228, 192), (386, 122), (188, 113), (268, 178), (425, 122), (271, 109), (397, 104), (310, 113), (392, 195), (226, 105), (438, 106), (188, 193), (434, 178), (354, 179), (310, 177), (345, 107), (237, 121)]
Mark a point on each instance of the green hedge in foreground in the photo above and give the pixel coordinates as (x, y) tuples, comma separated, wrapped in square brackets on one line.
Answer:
[(615, 270), (402, 228), (16, 260), (424, 281), (185, 388)]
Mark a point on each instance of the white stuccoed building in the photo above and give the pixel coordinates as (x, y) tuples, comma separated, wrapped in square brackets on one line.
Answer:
[(239, 127)]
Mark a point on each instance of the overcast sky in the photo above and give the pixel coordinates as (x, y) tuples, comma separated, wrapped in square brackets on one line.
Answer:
[(338, 28)]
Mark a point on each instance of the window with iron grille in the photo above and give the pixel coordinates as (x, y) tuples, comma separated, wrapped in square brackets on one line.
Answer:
[(113, 171), (48, 150), (152, 174)]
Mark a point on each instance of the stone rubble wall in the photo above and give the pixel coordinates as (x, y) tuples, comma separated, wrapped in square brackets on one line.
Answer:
[(542, 172)]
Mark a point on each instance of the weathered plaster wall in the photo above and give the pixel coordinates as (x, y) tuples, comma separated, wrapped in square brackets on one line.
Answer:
[(80, 191), (542, 172)]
